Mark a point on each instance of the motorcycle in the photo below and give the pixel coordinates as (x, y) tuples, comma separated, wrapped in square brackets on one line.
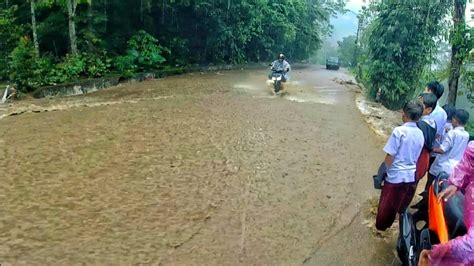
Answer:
[(442, 221), (277, 79)]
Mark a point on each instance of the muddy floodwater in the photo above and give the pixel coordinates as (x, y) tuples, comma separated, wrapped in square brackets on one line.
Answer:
[(198, 169)]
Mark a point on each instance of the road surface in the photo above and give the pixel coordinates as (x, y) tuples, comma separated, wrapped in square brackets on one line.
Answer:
[(198, 169)]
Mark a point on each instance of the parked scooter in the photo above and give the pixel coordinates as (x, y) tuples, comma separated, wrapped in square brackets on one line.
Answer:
[(441, 221)]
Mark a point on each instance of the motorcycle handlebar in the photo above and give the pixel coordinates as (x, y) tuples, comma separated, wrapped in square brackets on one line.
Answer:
[(440, 183)]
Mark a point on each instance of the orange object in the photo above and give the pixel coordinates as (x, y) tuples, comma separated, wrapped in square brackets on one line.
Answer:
[(437, 223)]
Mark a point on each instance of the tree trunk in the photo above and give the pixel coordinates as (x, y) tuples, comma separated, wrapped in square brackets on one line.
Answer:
[(173, 19), (33, 26), (90, 25), (71, 10), (356, 62), (453, 81), (227, 11), (163, 6), (90, 16), (456, 59), (105, 16), (141, 11)]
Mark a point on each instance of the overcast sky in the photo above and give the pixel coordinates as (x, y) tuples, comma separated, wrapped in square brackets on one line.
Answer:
[(345, 24), (354, 5)]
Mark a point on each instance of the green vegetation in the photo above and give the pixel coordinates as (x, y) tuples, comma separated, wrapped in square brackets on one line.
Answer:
[(347, 51), (470, 128), (398, 42), (45, 42), (401, 43)]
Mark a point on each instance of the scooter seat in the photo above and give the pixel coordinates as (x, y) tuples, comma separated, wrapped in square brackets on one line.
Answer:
[(453, 209), (454, 214)]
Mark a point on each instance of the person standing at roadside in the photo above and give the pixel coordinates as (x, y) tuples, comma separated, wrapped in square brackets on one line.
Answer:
[(438, 114), (402, 150), (440, 117)]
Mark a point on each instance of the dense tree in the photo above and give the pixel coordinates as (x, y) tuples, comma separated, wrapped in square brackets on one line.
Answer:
[(71, 8), (401, 41), (33, 25), (346, 51), (223, 30), (10, 33), (461, 46), (194, 31)]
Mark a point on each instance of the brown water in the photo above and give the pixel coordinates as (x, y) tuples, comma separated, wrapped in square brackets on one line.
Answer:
[(205, 169)]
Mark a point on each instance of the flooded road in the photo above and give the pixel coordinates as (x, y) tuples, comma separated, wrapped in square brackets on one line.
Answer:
[(198, 169)]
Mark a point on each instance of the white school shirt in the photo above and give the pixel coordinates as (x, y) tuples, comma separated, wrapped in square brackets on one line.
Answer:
[(454, 144), (405, 145), (440, 117), (448, 127), (429, 120)]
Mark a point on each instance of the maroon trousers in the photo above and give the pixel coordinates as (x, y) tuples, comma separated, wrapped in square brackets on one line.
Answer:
[(394, 199)]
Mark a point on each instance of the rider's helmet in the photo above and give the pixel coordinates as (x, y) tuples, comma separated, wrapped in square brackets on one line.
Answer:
[(281, 57)]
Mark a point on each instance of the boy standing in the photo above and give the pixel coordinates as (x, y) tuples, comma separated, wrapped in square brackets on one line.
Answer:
[(403, 150), (450, 110), (453, 146), (438, 114), (440, 117), (427, 125)]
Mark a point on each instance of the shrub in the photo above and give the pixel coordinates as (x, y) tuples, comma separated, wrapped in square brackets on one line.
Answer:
[(44, 71), (180, 51), (97, 65), (125, 65), (82, 65), (22, 65), (143, 54), (145, 51), (73, 66)]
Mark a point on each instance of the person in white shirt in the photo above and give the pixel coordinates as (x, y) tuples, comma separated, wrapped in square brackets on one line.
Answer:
[(429, 102), (280, 65), (438, 114), (402, 152), (450, 110), (427, 125), (453, 146), (440, 117)]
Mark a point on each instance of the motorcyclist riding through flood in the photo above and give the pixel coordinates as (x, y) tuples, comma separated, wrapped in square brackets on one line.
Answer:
[(282, 66), (279, 74)]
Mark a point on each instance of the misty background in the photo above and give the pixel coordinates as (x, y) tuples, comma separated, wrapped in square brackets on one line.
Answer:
[(344, 24)]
